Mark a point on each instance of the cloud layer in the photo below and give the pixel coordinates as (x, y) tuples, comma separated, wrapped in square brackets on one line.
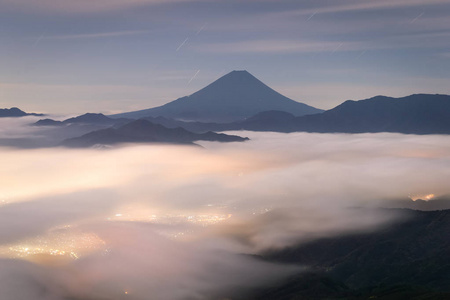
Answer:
[(176, 222)]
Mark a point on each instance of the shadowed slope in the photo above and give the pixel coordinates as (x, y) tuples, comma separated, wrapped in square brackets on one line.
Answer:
[(235, 96), (15, 112), (407, 260), (143, 131), (419, 114)]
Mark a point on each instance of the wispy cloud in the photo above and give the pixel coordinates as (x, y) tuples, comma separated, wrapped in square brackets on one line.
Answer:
[(95, 35), (277, 46), (79, 6), (396, 40), (320, 20), (94, 6), (350, 6)]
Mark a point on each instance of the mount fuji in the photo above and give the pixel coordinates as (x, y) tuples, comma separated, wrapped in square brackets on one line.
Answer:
[(235, 96)]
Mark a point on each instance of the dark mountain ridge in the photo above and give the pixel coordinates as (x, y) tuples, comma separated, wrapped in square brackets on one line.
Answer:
[(143, 131), (415, 114), (406, 260), (235, 96), (15, 112), (88, 118)]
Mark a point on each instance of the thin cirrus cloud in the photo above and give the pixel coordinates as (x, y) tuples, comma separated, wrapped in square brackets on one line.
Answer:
[(86, 6), (323, 29), (399, 32), (79, 6), (277, 46), (369, 5), (96, 35), (273, 46), (320, 23)]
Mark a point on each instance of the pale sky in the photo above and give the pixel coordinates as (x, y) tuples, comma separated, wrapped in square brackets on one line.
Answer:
[(77, 56)]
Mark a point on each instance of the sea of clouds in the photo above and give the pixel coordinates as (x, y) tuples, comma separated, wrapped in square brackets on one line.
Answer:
[(182, 222)]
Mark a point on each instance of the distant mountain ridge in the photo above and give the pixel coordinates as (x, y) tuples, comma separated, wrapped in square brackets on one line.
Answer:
[(415, 114), (88, 118), (143, 131), (15, 112), (235, 96)]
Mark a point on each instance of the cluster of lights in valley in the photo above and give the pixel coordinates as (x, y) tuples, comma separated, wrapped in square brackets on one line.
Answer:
[(72, 243), (69, 242)]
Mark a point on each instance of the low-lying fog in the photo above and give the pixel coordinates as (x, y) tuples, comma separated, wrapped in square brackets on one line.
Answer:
[(173, 222)]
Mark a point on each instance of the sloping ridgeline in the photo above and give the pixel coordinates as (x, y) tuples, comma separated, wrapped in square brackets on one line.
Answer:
[(15, 112), (418, 114), (415, 114), (407, 260), (235, 96), (143, 131)]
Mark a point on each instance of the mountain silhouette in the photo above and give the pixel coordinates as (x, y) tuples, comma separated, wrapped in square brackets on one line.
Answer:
[(88, 118), (15, 112), (143, 131), (415, 114), (235, 96), (405, 260), (48, 122)]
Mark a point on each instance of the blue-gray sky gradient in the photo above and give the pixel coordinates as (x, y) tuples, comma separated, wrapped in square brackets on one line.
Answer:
[(112, 55)]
